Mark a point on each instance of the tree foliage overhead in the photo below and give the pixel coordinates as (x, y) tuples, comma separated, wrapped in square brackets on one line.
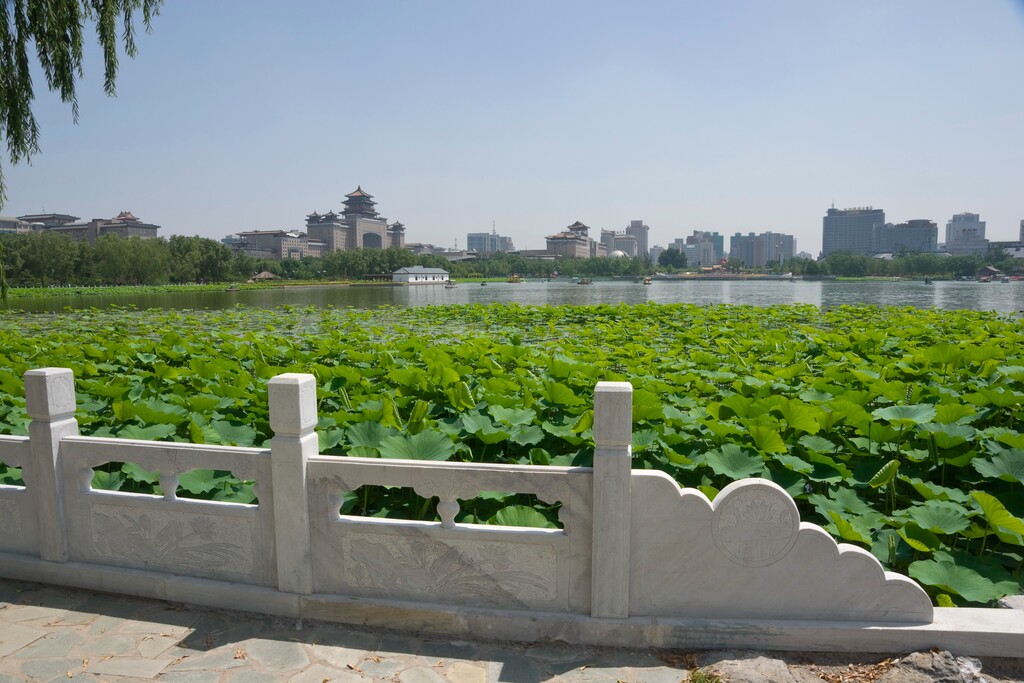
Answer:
[(54, 28)]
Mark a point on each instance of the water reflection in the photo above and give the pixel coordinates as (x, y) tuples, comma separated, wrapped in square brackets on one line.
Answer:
[(1002, 297)]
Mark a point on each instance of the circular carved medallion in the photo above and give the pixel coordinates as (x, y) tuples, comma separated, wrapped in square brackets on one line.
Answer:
[(755, 523)]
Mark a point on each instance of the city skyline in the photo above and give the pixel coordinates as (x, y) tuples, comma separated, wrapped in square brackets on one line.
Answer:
[(745, 118)]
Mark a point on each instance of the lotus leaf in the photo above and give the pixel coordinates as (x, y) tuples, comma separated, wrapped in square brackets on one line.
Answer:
[(949, 413), (885, 475), (154, 432), (201, 481), (428, 445), (960, 580), (906, 416), (949, 435), (521, 515), (735, 462), (1009, 528), (1008, 466), (514, 416), (940, 517), (919, 539), (850, 529)]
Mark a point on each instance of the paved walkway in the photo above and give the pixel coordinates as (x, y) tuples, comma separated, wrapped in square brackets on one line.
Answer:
[(58, 634)]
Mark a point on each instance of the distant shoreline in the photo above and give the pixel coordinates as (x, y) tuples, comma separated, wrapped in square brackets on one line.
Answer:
[(97, 290)]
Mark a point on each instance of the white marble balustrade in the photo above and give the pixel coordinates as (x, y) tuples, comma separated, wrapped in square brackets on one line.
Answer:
[(638, 561)]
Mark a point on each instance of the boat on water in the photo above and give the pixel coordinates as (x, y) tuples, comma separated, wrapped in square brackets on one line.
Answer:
[(232, 288), (515, 279), (927, 280), (585, 281), (483, 283), (647, 281), (450, 285)]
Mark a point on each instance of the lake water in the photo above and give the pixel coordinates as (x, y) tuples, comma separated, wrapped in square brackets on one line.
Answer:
[(1001, 297)]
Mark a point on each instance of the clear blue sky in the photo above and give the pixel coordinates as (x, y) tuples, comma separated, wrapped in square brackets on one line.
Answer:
[(728, 116)]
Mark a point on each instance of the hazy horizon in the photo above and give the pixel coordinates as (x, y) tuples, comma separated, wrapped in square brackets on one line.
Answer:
[(728, 117)]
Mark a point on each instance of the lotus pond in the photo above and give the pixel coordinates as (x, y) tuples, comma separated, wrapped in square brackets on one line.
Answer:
[(899, 430)]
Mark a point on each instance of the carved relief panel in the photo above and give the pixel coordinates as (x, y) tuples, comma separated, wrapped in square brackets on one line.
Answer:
[(198, 544), (466, 571)]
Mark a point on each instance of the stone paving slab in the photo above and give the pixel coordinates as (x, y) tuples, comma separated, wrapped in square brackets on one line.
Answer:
[(129, 666), (13, 637), (51, 633)]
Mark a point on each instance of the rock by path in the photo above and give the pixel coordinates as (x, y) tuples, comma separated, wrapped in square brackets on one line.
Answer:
[(58, 634)]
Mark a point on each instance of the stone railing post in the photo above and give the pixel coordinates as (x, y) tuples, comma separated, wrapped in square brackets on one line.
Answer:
[(293, 418), (50, 402), (613, 455)]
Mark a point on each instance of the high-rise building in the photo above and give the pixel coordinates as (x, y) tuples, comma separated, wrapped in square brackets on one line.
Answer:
[(488, 242), (619, 241), (759, 251), (700, 253), (638, 230), (608, 240), (965, 234), (918, 235), (746, 249), (655, 253), (717, 243), (851, 230), (964, 226), (627, 244), (1021, 236)]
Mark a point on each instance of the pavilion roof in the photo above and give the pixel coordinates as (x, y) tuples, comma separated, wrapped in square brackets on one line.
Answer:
[(359, 192)]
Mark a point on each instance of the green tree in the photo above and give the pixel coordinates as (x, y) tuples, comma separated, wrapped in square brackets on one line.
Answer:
[(214, 260), (54, 28), (4, 293), (243, 265), (967, 265), (185, 256), (112, 259), (49, 259), (672, 258), (848, 264), (150, 263)]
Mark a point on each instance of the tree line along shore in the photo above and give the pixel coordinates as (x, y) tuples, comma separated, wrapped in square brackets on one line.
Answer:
[(50, 260)]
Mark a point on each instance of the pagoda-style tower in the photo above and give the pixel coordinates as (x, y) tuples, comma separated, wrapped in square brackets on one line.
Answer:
[(578, 229), (396, 235), (360, 203)]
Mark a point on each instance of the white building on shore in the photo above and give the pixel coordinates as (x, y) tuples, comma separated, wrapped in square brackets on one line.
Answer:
[(418, 275)]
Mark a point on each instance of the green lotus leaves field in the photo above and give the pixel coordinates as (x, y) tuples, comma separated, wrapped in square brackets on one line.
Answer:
[(898, 430)]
